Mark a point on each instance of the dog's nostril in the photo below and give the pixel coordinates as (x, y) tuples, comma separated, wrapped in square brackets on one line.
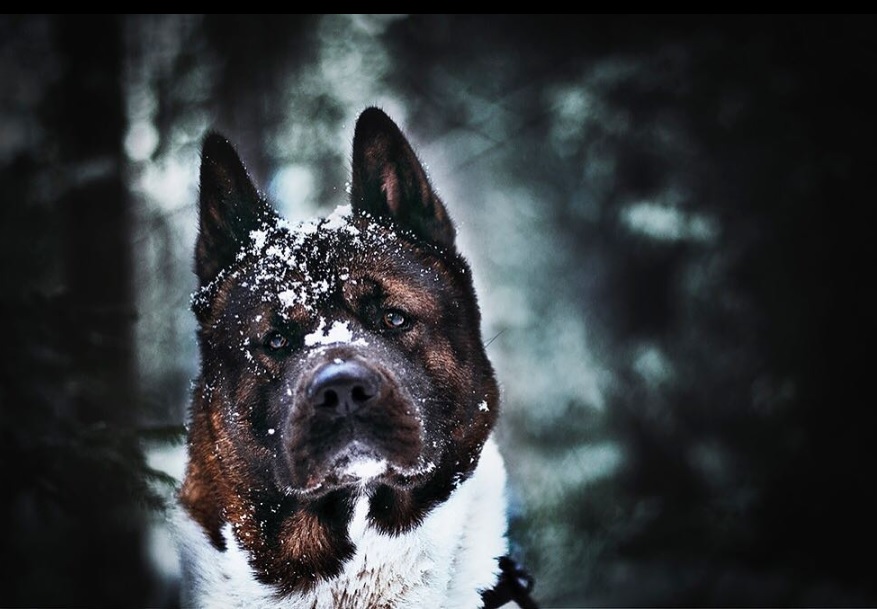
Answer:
[(343, 387), (329, 399), (360, 394)]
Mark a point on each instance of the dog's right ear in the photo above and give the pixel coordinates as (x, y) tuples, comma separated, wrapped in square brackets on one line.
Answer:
[(229, 208)]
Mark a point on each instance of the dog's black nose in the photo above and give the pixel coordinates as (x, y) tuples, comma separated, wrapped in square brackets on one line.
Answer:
[(343, 387)]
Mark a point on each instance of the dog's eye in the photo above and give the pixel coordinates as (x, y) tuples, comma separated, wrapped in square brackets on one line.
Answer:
[(394, 320), (276, 341)]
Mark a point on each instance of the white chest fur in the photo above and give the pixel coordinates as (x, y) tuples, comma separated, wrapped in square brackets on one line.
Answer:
[(442, 564)]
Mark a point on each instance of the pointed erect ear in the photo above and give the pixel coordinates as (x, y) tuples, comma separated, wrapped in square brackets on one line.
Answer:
[(230, 207), (389, 182)]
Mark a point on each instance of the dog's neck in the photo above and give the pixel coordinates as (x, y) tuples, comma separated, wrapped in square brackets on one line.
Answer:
[(445, 562)]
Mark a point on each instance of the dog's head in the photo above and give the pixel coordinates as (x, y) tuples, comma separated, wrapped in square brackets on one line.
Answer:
[(340, 357)]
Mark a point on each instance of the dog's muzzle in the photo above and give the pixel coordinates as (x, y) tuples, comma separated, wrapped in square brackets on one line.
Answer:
[(351, 423)]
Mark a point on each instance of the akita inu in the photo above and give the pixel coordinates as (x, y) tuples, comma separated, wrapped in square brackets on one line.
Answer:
[(339, 446)]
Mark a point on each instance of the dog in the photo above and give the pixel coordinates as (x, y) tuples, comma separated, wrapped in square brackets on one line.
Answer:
[(340, 439)]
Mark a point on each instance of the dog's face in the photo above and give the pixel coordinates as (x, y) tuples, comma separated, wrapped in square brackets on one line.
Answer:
[(341, 357)]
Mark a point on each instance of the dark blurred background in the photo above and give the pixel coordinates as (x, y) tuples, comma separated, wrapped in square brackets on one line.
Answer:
[(668, 218)]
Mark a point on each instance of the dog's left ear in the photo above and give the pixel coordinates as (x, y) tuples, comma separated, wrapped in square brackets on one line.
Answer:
[(389, 181)]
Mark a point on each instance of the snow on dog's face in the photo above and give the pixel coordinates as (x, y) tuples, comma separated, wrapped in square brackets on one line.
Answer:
[(340, 358)]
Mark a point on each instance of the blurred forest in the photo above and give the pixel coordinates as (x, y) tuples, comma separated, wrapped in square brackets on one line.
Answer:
[(668, 219)]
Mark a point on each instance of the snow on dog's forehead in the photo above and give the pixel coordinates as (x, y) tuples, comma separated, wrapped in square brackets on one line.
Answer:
[(298, 265), (337, 227)]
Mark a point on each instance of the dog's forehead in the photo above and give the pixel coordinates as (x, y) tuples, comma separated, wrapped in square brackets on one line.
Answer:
[(298, 267)]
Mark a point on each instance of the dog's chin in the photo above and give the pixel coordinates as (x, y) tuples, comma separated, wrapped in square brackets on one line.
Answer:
[(360, 471)]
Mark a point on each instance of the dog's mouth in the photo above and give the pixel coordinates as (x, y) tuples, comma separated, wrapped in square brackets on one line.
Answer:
[(360, 466)]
